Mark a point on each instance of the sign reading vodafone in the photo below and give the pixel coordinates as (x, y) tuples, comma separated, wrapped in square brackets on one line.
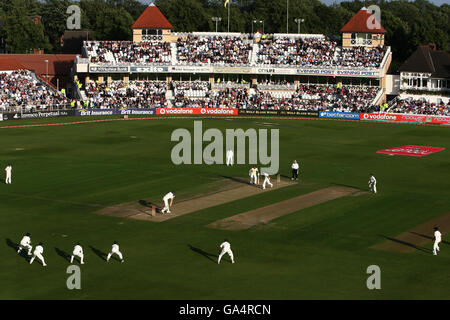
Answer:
[(197, 111), (379, 116)]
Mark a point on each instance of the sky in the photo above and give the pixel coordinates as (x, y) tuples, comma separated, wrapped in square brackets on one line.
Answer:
[(328, 2)]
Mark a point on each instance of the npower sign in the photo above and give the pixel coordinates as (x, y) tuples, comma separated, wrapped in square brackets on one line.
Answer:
[(197, 111)]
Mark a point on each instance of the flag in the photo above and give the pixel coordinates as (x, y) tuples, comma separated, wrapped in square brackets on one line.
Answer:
[(226, 3)]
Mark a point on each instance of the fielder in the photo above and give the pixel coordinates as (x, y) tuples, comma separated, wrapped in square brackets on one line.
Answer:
[(166, 199), (115, 250), (77, 251), (253, 173), (372, 183), (230, 157), (225, 247), (38, 251), (8, 171), (295, 166), (25, 243), (266, 180), (437, 240)]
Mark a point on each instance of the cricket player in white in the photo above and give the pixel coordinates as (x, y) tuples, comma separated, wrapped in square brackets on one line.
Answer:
[(8, 171), (372, 183), (253, 175), (295, 166), (77, 251), (230, 157), (437, 240), (38, 251), (115, 250), (166, 199), (266, 180), (226, 248), (25, 243)]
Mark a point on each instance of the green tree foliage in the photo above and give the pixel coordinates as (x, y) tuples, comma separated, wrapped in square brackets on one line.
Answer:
[(22, 34)]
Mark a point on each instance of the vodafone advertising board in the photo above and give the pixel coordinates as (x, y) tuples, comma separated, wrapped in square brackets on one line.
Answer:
[(196, 111), (405, 118)]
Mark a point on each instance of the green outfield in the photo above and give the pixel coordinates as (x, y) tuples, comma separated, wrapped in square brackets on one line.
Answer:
[(62, 175)]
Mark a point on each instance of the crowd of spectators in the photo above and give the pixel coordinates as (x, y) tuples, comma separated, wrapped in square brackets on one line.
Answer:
[(301, 52), (317, 98), (305, 97), (138, 94), (314, 52), (219, 50), (361, 57), (213, 50), (190, 88), (411, 106), (21, 89), (128, 52)]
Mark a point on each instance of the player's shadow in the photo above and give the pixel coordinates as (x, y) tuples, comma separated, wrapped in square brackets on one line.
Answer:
[(427, 237), (99, 253), (204, 253), (63, 254), (15, 247), (408, 244), (148, 204), (350, 186), (240, 180)]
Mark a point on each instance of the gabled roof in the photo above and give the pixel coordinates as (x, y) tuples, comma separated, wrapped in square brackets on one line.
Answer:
[(152, 18), (428, 60), (359, 23)]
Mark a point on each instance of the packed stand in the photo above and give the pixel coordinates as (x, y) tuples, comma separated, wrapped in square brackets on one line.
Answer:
[(314, 52), (421, 107), (213, 50), (301, 52), (317, 98), (21, 89), (190, 88), (128, 52), (361, 57), (138, 94)]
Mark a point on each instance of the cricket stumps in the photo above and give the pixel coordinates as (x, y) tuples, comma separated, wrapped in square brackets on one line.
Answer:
[(153, 211), (278, 178)]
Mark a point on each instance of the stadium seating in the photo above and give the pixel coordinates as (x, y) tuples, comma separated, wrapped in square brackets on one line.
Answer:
[(138, 94), (22, 89), (411, 106)]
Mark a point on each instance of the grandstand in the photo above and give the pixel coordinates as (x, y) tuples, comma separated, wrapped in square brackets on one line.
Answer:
[(223, 70)]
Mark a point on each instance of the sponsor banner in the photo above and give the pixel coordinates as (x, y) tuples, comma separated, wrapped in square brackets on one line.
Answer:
[(339, 115), (440, 120), (232, 70), (299, 113), (267, 70), (47, 114), (149, 69), (379, 116), (38, 115), (137, 112), (111, 112), (197, 111), (405, 118), (97, 112), (337, 72), (293, 113), (191, 69), (411, 151), (108, 69), (258, 112)]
